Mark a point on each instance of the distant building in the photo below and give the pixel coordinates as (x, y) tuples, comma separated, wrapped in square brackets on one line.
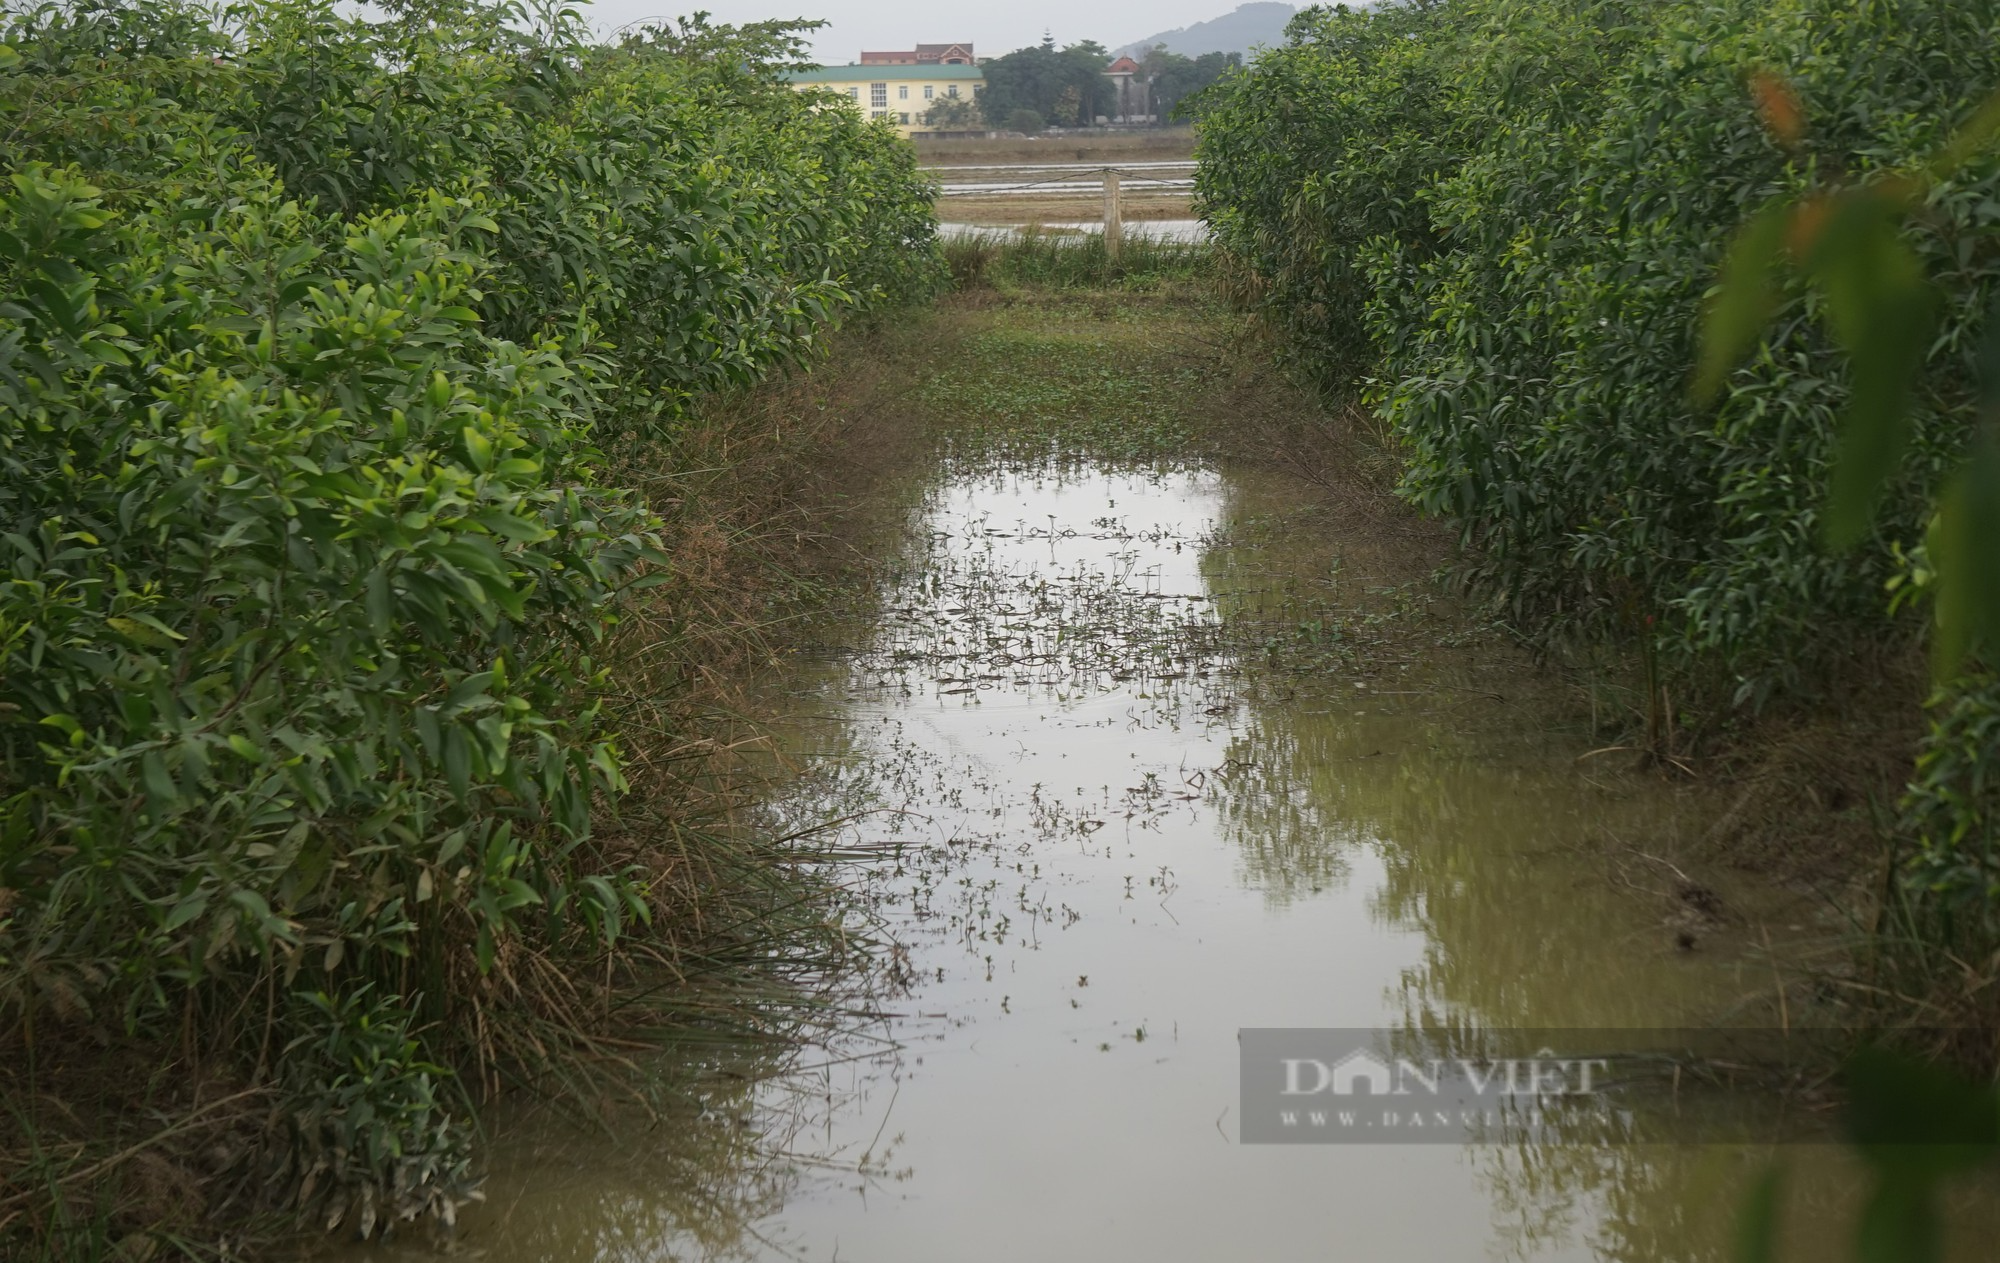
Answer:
[(900, 92), (1131, 86), (924, 55)]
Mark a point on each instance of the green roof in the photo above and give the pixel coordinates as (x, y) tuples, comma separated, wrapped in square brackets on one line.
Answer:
[(860, 74)]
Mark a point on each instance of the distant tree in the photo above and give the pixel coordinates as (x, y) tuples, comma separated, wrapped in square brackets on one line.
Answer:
[(1065, 86), (1069, 107), (1025, 121), (953, 114), (1173, 79)]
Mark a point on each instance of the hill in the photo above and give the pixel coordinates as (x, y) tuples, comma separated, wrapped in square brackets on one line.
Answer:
[(1262, 22)]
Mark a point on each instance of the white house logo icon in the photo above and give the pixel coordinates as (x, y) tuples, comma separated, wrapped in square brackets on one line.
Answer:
[(1361, 1066), (1305, 1076)]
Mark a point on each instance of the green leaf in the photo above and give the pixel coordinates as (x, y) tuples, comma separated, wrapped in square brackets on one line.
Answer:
[(1744, 300), (457, 763), (1989, 366), (1964, 545), (510, 526), (478, 449), (472, 688), (1971, 136), (144, 629), (185, 911), (1915, 1124), (1757, 1221), (1912, 1116), (605, 896), (1883, 310), (160, 785), (512, 893), (1900, 1224)]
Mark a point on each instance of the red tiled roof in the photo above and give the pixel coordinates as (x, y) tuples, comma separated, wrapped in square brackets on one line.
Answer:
[(922, 54)]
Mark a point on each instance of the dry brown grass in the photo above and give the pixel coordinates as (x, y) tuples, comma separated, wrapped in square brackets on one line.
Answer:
[(1808, 787), (110, 1134), (763, 497), (1166, 144), (757, 495)]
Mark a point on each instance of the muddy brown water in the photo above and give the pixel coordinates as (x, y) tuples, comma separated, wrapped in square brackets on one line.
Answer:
[(1111, 836)]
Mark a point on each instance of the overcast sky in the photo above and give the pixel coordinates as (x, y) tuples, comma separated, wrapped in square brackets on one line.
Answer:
[(993, 28)]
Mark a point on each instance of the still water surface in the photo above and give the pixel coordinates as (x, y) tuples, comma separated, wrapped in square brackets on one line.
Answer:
[(1113, 835)]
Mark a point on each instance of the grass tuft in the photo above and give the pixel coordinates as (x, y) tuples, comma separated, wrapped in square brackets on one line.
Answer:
[(1034, 257)]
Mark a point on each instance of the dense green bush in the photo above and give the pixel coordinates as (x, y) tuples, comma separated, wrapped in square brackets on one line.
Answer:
[(1497, 220), (1952, 814), (311, 330)]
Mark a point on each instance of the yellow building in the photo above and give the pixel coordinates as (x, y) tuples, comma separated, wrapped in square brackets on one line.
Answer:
[(903, 94)]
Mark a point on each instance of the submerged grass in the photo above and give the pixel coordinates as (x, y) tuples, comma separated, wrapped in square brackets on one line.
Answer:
[(1040, 375), (1050, 354)]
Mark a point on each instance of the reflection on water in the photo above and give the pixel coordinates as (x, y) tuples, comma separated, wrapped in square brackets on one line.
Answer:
[(1115, 831)]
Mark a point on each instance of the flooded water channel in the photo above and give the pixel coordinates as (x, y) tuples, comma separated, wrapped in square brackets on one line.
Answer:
[(1115, 829)]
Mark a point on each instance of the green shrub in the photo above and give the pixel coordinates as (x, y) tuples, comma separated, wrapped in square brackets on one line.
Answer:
[(311, 329), (1027, 122), (1497, 221), (1951, 811), (1506, 213)]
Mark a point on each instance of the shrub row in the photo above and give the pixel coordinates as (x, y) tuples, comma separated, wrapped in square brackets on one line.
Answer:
[(313, 330), (1496, 221)]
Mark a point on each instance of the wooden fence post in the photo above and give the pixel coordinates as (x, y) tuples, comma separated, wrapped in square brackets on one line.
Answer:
[(1114, 219)]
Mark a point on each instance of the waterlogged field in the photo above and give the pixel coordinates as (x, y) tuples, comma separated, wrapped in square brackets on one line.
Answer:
[(1055, 181), (1125, 769)]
